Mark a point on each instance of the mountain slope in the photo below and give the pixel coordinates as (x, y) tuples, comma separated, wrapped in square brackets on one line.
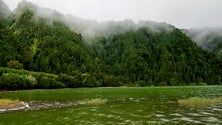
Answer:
[(154, 57), (41, 46), (146, 53)]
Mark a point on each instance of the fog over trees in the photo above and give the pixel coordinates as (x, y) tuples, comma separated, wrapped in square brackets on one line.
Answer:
[(87, 53), (209, 39)]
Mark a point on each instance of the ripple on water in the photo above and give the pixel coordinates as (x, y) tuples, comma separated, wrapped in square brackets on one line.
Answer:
[(197, 122), (34, 116), (165, 120), (159, 115), (136, 100), (140, 110), (143, 98), (109, 116), (83, 113), (216, 109), (186, 119), (136, 115), (176, 114), (206, 113), (194, 114), (93, 109), (127, 121), (109, 123), (172, 102), (211, 119), (70, 111)]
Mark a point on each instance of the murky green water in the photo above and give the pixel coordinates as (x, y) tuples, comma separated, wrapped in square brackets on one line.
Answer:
[(123, 106)]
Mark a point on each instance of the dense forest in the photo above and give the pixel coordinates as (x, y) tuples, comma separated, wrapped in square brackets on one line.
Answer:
[(41, 52)]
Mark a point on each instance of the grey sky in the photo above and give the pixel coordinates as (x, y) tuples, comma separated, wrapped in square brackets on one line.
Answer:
[(181, 13)]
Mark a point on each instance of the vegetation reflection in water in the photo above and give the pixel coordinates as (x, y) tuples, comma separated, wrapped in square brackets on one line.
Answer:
[(149, 105)]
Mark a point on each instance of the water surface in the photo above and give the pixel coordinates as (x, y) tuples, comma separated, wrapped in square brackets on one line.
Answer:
[(123, 106)]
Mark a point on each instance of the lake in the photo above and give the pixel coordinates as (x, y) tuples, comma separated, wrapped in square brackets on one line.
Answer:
[(114, 106)]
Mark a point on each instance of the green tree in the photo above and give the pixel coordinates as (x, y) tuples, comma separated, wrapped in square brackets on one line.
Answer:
[(15, 64)]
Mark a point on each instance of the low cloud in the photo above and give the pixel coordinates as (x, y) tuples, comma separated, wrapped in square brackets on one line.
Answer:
[(91, 28), (4, 9), (207, 38)]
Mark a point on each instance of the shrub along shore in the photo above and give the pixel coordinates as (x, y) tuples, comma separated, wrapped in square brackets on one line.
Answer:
[(14, 79)]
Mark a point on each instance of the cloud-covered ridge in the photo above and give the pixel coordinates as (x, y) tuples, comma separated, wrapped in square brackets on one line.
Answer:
[(90, 28)]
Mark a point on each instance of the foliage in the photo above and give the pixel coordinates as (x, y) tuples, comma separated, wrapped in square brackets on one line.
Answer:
[(139, 57), (15, 64), (12, 81), (162, 84), (44, 82), (154, 57), (70, 81), (20, 79), (31, 81)]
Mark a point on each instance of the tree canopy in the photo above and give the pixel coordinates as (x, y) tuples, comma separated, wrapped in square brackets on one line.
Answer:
[(158, 54)]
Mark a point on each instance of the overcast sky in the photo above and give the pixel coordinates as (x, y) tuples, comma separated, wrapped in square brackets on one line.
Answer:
[(181, 13)]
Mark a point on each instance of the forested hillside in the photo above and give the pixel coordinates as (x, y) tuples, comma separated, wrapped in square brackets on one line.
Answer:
[(147, 53), (154, 57)]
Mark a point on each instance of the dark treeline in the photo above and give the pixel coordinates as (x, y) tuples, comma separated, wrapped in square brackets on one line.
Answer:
[(158, 55), (171, 58)]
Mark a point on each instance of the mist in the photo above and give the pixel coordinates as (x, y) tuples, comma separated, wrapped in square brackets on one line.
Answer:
[(94, 28), (207, 38), (4, 9), (91, 28)]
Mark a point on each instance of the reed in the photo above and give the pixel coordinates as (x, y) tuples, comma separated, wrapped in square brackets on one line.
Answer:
[(194, 101), (8, 103)]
